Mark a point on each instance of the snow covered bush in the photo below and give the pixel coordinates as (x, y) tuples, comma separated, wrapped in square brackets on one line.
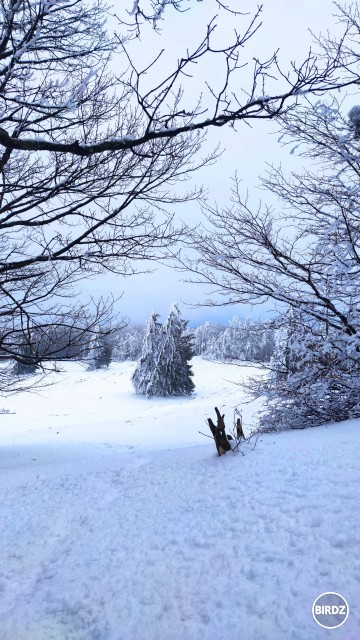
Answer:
[(314, 378), (164, 369)]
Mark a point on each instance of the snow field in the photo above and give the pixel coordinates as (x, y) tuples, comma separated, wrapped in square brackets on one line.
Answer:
[(126, 538), (99, 406)]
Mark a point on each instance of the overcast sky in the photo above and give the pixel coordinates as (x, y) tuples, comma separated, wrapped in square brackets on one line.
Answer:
[(286, 27)]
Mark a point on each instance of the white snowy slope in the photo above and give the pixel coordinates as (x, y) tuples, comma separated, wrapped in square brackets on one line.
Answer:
[(99, 406), (107, 535)]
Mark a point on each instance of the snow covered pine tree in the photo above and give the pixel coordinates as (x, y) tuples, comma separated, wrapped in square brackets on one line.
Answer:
[(99, 354), (26, 363), (172, 374), (150, 349), (163, 369)]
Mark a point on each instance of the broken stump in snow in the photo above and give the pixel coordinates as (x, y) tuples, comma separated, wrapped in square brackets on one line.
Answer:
[(239, 429), (218, 432)]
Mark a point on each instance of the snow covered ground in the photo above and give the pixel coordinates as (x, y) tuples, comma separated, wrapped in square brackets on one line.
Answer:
[(119, 522), (101, 406)]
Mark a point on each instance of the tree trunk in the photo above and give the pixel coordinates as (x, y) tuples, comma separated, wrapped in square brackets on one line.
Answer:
[(239, 429), (218, 432)]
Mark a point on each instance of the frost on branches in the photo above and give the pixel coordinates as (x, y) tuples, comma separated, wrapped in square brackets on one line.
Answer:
[(314, 379), (305, 257), (127, 343), (164, 369), (244, 340)]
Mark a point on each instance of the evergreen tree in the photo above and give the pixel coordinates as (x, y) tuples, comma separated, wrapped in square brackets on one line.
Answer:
[(164, 369), (25, 364), (100, 350), (172, 375), (149, 354)]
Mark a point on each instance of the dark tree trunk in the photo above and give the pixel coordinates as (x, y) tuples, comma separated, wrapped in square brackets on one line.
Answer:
[(218, 432), (239, 429)]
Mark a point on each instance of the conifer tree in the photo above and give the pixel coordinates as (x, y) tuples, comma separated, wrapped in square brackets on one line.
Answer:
[(25, 364), (99, 355), (150, 349), (164, 369), (172, 375)]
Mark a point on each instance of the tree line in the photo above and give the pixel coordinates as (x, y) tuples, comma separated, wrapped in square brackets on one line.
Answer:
[(241, 339)]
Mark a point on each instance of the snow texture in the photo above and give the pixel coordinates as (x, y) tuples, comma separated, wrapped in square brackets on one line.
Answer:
[(111, 530)]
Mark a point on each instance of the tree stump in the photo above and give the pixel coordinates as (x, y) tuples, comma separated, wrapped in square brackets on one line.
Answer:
[(239, 429), (218, 432)]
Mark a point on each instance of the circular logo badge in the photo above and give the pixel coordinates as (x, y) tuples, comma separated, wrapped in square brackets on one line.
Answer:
[(330, 610)]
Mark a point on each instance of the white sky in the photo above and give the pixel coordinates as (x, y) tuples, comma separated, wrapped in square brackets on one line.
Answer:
[(286, 27)]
